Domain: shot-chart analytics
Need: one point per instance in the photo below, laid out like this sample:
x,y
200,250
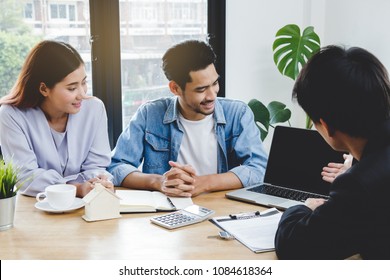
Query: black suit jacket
x,y
356,218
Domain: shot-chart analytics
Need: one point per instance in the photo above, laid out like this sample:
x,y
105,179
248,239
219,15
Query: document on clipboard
x,y
255,230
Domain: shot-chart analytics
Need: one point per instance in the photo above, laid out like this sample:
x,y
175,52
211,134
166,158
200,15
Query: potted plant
x,y
291,51
268,116
8,191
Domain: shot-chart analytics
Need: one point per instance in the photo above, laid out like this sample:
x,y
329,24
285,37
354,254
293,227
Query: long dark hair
x,y
48,62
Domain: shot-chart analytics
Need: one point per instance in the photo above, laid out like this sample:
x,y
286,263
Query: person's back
x,y
373,176
347,95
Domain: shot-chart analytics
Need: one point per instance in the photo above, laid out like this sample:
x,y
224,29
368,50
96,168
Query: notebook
x,y
293,171
133,201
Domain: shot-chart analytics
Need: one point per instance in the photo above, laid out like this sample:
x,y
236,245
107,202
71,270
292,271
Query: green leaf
x,y
292,50
8,179
279,112
309,122
13,50
261,115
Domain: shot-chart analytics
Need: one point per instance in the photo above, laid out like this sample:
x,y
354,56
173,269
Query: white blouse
x,y
45,158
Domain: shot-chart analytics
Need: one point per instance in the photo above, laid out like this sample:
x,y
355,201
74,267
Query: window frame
x,y
31,4
106,52
67,17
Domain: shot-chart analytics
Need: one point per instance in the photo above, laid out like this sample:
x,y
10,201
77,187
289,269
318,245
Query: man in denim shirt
x,y
192,142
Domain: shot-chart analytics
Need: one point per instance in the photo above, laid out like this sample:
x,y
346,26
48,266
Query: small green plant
x,y
291,51
268,116
8,179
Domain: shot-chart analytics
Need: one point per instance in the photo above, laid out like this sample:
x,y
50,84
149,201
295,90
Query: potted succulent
x,y
8,191
291,51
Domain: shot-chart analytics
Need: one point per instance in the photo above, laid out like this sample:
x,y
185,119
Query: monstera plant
x,y
291,50
266,117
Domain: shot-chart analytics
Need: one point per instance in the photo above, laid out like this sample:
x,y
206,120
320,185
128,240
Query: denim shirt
x,y
154,135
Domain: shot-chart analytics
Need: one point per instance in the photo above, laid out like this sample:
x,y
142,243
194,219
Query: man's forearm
x,y
217,182
139,180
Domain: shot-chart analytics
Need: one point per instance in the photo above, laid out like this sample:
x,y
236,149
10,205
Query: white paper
x,y
257,232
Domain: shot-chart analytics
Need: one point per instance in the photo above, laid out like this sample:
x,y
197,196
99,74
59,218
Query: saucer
x,y
44,206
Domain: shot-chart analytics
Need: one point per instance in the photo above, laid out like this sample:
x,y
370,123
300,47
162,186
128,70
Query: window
x,y
25,23
121,43
28,11
148,29
62,11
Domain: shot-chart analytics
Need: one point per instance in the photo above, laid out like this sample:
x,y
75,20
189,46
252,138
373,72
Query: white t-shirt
x,y
199,145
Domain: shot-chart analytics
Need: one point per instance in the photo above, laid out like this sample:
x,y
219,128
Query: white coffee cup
x,y
60,196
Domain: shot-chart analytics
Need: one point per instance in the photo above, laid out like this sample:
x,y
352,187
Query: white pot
x,y
7,212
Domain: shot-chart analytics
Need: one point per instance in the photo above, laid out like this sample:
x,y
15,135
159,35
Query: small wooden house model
x,y
101,204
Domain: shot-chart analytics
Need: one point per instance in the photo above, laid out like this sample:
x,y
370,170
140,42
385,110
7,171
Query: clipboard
x,y
256,230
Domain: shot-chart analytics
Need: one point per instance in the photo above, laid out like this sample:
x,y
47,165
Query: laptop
x,y
293,171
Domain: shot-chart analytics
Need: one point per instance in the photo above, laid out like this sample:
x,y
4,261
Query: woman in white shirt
x,y
50,127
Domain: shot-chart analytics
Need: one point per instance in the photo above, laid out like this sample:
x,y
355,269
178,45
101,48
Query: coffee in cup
x,y
59,197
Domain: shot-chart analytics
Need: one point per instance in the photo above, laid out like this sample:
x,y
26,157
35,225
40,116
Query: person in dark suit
x,y
346,92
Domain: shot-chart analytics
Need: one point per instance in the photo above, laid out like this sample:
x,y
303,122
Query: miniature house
x,y
101,204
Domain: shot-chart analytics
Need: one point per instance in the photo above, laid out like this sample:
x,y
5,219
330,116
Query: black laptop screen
x,y
296,159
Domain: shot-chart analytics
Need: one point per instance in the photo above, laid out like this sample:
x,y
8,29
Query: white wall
x,y
251,28
360,23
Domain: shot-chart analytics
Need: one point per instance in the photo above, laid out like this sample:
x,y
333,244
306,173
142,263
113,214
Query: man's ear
x,y
174,88
329,130
43,89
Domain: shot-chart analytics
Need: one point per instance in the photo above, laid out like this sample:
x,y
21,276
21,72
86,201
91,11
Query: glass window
x,y
53,11
148,29
72,12
28,11
62,11
24,23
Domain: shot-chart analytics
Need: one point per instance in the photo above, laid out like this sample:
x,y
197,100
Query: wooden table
x,y
66,236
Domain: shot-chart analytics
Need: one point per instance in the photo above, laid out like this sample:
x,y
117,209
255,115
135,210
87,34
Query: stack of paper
x,y
256,230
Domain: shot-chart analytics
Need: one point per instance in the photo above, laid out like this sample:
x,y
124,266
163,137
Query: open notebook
x,y
133,201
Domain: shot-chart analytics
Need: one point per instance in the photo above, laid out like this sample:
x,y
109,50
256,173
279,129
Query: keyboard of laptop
x,y
285,192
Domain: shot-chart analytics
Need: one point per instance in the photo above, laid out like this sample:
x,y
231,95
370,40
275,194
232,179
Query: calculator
x,y
187,216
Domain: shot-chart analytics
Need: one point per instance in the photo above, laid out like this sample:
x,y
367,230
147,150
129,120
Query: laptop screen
x,y
296,159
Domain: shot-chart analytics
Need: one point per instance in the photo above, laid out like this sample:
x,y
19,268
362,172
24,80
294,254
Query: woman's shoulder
x,y
93,103
9,113
5,108
92,110
9,110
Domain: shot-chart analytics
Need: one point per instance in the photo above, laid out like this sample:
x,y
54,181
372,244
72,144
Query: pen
x,y
171,203
249,215
244,215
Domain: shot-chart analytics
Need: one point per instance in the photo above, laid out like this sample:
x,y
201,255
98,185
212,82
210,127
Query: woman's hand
x,y
102,179
84,188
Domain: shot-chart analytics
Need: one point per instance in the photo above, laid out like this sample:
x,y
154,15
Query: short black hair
x,y
187,56
348,88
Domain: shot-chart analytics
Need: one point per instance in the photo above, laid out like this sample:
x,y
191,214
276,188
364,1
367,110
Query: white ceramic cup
x,y
59,197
